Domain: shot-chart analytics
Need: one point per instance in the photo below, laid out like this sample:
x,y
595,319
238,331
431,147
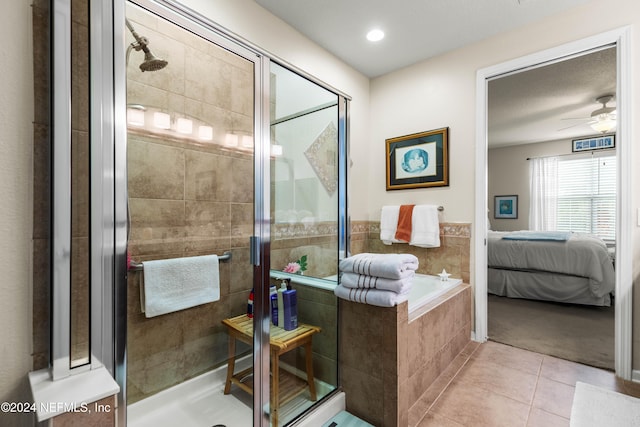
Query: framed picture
x,y
593,143
418,160
506,207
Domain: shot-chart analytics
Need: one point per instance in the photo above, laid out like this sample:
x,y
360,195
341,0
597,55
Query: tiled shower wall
x,y
41,186
187,198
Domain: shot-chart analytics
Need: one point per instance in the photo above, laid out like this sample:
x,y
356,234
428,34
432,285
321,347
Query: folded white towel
x,y
175,284
370,296
425,231
400,286
389,266
389,224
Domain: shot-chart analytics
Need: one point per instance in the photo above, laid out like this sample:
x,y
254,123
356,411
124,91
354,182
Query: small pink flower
x,y
292,267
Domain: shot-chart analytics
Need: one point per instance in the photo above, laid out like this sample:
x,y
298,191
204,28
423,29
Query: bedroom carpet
x,y
582,334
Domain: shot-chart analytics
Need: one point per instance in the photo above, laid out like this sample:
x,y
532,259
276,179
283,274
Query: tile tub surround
x,y
387,363
452,255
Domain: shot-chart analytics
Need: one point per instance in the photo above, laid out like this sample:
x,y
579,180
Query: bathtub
x,y
427,288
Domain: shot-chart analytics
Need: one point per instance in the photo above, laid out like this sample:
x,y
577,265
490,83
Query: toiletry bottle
x,y
290,299
273,297
250,305
280,301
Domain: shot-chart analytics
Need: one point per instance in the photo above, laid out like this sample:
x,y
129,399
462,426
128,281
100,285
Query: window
x,y
587,196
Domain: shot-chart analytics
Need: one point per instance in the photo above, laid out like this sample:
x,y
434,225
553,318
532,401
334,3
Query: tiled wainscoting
x,y
452,255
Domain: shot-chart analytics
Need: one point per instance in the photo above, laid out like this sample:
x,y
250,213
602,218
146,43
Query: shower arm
x,y
141,41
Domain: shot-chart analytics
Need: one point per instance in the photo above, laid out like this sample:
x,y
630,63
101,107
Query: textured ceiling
x,y
415,29
541,104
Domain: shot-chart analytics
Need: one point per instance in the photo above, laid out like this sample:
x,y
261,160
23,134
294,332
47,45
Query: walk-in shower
x,y
209,171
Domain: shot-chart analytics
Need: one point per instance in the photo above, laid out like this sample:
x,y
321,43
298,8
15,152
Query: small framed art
x,y
506,207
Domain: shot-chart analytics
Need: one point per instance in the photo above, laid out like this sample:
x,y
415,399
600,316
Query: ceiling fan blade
x,y
577,124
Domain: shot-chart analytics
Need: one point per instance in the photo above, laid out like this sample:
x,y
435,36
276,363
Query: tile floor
x,y
496,385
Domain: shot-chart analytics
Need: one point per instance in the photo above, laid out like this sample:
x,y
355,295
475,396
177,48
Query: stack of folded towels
x,y
377,279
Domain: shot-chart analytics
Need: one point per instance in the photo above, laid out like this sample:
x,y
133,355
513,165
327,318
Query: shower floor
x,y
201,402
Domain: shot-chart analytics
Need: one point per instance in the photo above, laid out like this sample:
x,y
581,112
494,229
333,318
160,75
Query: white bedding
x,y
578,270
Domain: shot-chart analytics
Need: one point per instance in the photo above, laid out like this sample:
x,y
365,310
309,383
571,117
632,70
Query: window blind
x,y
587,196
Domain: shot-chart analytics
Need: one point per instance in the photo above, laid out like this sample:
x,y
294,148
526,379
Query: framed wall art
x,y
418,160
593,143
506,207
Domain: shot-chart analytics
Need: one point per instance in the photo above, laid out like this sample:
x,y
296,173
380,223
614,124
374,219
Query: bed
x,y
562,267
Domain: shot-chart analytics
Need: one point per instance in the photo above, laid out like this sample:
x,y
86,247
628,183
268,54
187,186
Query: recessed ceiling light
x,y
375,35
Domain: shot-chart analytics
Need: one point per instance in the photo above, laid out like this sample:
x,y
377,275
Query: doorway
x,y
623,249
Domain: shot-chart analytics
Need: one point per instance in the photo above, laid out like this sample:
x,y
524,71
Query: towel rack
x,y
138,266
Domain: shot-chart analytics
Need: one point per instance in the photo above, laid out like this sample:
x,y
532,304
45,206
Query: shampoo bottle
x,y
250,305
290,299
273,297
280,301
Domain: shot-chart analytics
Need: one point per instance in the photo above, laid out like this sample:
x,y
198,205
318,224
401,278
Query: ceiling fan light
x,y
604,123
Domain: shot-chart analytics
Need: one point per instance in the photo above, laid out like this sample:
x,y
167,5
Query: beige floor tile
x,y
540,418
512,357
554,397
470,405
509,382
568,373
435,420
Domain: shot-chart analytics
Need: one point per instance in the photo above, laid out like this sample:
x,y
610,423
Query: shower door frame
x,y
261,239
180,16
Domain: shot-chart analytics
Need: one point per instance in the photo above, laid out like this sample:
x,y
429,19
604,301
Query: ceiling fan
x,y
602,119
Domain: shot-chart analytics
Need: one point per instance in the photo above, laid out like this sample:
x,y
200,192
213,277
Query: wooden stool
x,y
281,341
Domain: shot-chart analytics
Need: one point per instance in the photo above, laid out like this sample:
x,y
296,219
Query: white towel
x,y
400,286
389,224
389,266
425,231
370,296
175,284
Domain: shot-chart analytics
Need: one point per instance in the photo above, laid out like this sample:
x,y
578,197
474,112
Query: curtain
x,y
543,174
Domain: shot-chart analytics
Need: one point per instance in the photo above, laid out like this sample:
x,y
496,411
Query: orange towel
x,y
403,232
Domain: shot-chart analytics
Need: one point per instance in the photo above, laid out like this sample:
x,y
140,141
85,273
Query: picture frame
x,y
599,142
418,160
505,207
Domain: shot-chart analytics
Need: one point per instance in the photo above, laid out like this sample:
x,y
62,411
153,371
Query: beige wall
x,y
508,174
16,116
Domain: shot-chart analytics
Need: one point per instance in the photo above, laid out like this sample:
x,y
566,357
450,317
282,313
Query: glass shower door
x,y
190,158
305,244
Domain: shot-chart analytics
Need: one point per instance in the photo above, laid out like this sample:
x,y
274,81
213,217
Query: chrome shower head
x,y
151,62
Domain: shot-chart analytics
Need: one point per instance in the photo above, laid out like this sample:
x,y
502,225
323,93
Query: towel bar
x,y
137,266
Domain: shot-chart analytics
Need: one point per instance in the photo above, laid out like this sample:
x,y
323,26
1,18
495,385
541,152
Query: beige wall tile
x,y
155,171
